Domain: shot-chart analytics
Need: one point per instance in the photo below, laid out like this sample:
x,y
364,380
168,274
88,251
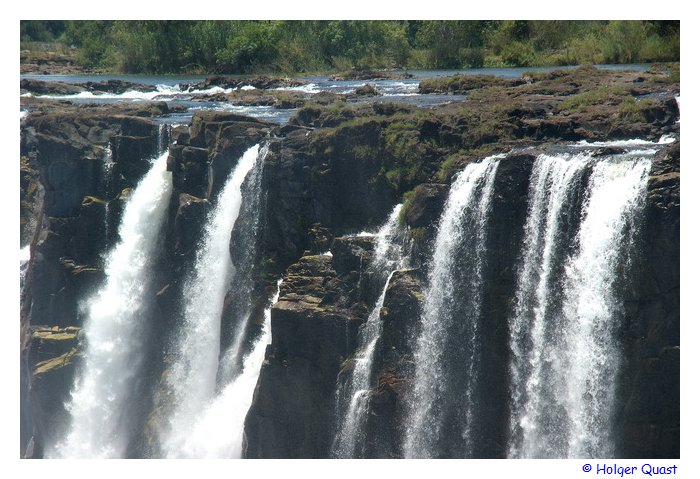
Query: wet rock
x,y
52,358
117,87
259,82
180,135
352,253
40,87
314,327
190,168
426,205
31,198
650,382
367,90
132,156
112,86
327,98
189,220
91,234
400,317
226,136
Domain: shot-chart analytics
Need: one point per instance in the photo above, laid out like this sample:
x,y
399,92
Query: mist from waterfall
x,y
99,406
219,430
192,378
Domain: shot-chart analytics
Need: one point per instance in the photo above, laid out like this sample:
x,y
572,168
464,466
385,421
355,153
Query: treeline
x,y
315,46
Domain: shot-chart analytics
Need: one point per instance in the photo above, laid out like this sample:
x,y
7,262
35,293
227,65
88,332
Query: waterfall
x,y
554,186
192,378
100,399
565,353
353,398
219,431
442,399
24,257
107,186
244,243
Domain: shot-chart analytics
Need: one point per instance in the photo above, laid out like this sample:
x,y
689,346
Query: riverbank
x,y
307,47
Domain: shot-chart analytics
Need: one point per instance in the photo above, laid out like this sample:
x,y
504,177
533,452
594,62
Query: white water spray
x,y
565,353
218,432
554,183
451,314
352,407
591,306
100,401
24,257
192,379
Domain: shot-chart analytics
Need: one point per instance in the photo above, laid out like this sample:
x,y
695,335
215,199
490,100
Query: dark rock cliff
x,y
66,153
650,389
78,168
532,113
316,321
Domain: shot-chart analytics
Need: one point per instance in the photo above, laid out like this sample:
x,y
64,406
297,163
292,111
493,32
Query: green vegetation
x,y
633,110
447,167
314,46
592,97
629,108
408,199
406,153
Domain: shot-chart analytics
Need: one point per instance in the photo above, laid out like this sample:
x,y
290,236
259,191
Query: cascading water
x,y
107,175
555,184
565,355
192,378
447,353
99,405
235,338
353,397
24,256
219,431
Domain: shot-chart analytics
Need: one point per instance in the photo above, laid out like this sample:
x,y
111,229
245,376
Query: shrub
x,y
633,110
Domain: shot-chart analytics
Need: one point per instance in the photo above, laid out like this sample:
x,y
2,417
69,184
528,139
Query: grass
x,y
633,110
408,199
405,152
447,167
595,96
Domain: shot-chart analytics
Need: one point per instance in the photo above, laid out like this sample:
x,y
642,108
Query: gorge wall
x,y
332,172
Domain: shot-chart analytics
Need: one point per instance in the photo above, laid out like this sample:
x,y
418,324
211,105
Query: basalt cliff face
x,y
334,171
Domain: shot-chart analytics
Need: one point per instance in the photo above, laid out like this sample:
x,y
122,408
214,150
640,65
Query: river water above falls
x,y
168,88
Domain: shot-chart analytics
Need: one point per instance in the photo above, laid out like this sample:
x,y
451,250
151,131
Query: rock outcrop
x,y
314,324
117,87
258,82
364,74
650,389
